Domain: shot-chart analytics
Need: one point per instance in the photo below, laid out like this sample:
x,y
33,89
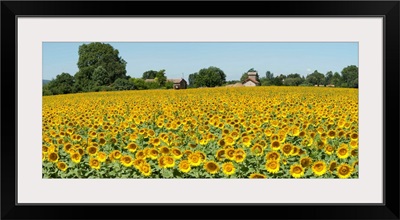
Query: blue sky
x,y
182,59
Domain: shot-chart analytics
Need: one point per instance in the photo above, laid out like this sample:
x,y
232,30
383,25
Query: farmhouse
x,y
178,83
251,79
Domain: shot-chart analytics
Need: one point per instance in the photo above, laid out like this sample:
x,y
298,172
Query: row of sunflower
x,y
270,132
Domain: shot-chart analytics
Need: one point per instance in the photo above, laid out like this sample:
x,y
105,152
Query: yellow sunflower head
x,y
287,149
296,171
228,168
76,157
272,166
184,166
52,157
211,167
273,155
257,176
94,163
344,171
62,166
342,152
319,168
126,160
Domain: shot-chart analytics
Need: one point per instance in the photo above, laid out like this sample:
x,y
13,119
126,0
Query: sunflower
x,y
155,142
257,176
164,150
67,146
140,154
332,166
229,140
354,152
222,143
354,136
344,171
126,160
92,150
94,163
273,155
194,159
305,162
211,167
331,134
116,154
169,161
76,157
153,153
272,166
184,166
52,157
230,153
295,151
319,168
137,163
239,158
296,171
246,141
101,156
354,144
257,150
62,166
176,153
132,147
220,155
275,145
145,169
287,149
329,149
354,164
343,152
228,168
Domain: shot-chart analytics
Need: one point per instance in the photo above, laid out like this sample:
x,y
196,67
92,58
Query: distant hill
x,y
45,81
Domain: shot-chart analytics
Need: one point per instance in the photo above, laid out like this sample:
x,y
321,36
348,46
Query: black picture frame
x,y
11,10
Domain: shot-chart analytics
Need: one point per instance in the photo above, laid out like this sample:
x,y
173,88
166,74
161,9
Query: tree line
x,y
100,68
213,76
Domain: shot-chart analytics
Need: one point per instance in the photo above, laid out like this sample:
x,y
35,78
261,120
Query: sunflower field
x,y
258,132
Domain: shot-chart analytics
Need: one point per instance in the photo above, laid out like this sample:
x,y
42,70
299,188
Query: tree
x,y
150,74
94,55
316,78
123,84
336,79
100,77
293,80
62,84
268,79
139,83
160,78
350,76
209,77
328,78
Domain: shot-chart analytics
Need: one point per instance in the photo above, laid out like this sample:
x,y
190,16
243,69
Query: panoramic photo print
x,y
159,110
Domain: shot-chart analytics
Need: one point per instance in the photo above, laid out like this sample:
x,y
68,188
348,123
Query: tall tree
x,y
316,78
350,76
96,54
328,78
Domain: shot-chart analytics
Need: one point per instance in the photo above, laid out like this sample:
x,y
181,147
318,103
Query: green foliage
x,y
150,74
98,54
350,76
123,84
62,84
316,78
139,83
207,77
